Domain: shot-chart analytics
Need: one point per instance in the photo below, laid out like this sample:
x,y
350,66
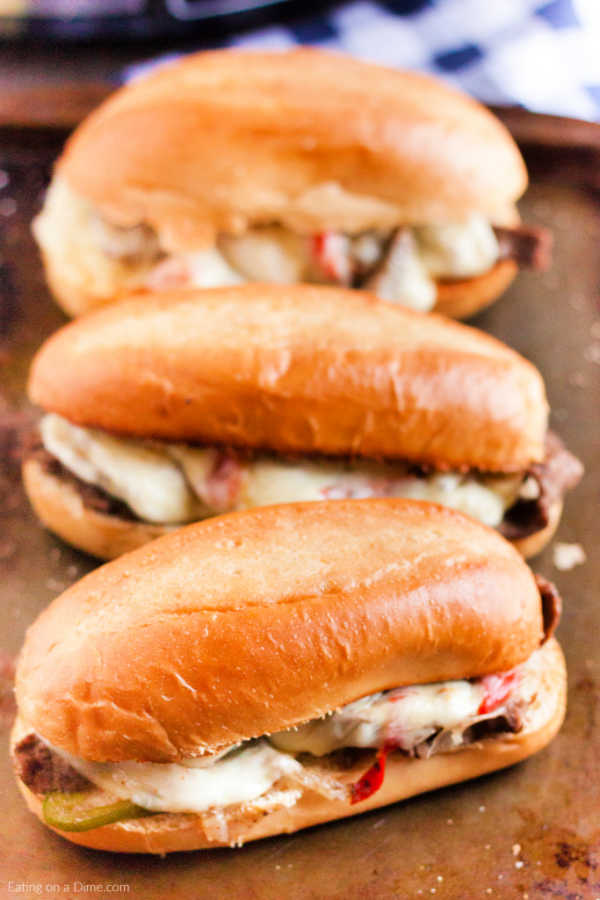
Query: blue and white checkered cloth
x,y
540,54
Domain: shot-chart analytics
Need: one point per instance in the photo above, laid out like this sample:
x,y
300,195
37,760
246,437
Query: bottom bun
x,y
461,299
404,777
60,508
72,285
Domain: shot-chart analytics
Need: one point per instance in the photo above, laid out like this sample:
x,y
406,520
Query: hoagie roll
x,y
231,166
172,408
273,669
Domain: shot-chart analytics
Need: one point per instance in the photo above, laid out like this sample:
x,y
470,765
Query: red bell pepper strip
x,y
497,688
372,779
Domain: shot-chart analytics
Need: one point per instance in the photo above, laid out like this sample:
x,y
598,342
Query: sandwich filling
x,y
176,483
400,265
340,755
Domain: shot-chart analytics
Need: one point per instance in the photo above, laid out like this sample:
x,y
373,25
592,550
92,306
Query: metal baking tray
x,y
528,832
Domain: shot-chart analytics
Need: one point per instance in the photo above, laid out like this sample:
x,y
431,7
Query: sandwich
x,y
273,669
167,409
234,166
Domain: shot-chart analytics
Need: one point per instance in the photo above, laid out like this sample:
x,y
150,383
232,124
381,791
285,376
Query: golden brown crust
x,y
417,152
181,145
404,778
461,299
297,369
69,286
328,601
59,506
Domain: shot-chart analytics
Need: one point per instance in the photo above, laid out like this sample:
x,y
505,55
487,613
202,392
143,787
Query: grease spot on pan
x,y
563,863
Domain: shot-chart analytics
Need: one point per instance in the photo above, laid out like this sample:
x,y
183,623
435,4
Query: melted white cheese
x,y
484,499
407,716
203,269
100,260
277,255
210,269
147,480
457,250
241,776
272,481
170,483
404,277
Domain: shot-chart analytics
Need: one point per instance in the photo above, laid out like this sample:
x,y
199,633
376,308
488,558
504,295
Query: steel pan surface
x,y
528,832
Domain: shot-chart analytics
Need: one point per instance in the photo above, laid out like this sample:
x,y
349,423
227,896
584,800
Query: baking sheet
x,y
532,831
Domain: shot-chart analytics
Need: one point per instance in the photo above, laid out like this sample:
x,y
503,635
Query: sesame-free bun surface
x,y
224,140
404,778
462,298
253,622
296,369
61,508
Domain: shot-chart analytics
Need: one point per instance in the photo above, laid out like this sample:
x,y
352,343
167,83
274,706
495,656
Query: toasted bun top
x,y
223,140
253,622
296,369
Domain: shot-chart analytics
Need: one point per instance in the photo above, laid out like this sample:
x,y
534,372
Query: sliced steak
x,y
93,497
551,605
42,770
559,472
529,246
510,721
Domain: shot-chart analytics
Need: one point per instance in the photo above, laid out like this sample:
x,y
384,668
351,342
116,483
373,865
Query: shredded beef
x,y
347,764
530,247
524,518
551,605
42,770
510,721
93,497
559,472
